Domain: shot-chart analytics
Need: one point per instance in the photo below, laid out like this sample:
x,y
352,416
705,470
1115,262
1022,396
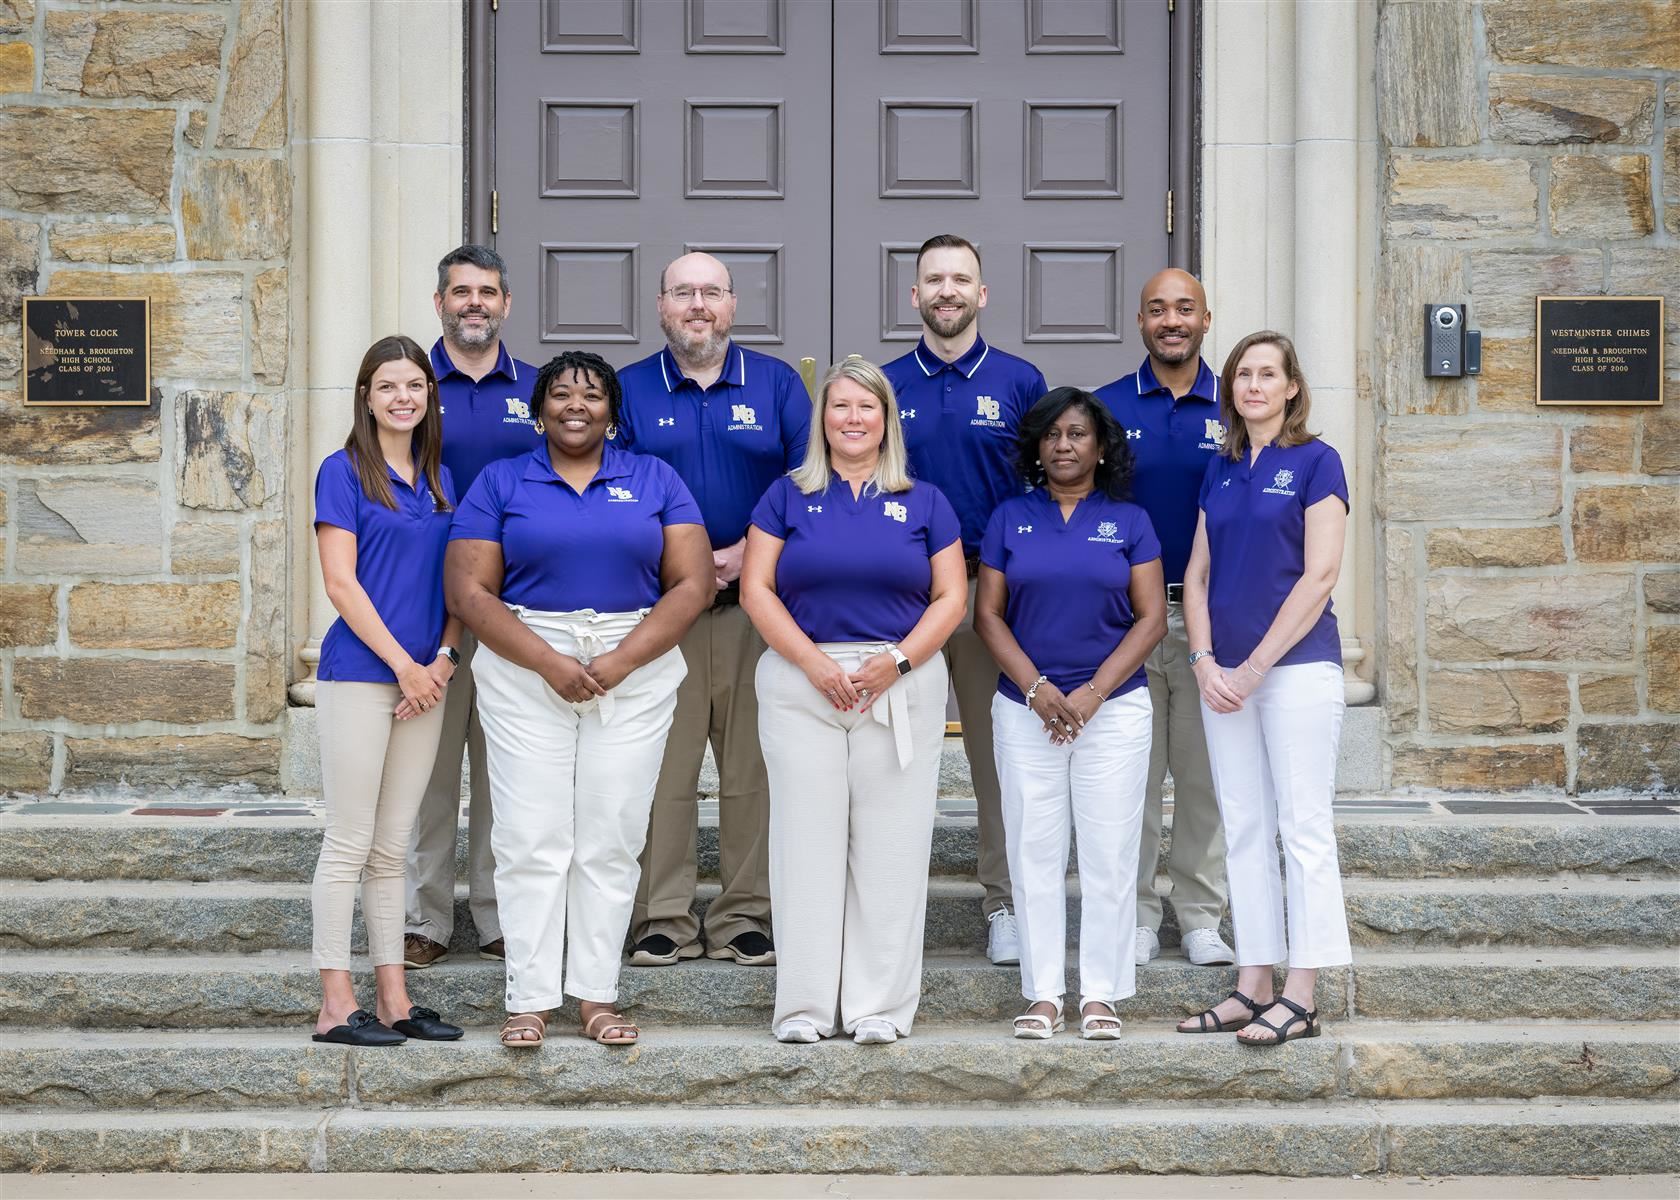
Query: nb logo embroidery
x,y
743,414
667,420
1212,430
618,493
518,408
1134,434
895,510
813,508
1023,529
987,407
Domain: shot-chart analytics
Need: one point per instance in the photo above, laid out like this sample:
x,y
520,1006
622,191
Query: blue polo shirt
x,y
562,552
856,569
483,419
729,441
1172,441
399,563
960,421
1256,531
1068,603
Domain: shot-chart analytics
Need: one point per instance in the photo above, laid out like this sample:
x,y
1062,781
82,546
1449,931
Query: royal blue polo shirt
x,y
728,441
399,563
1172,440
1068,604
1256,531
855,569
960,421
483,419
561,551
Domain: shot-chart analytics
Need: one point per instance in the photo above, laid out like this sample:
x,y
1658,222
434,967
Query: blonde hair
x,y
892,469
1295,409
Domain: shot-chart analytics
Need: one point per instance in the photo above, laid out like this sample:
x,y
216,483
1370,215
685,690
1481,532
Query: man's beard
x,y
952,327
456,330
703,348
1186,351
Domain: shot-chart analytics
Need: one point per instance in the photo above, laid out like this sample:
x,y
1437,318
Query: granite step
x,y
231,916
941,1065
1572,1137
114,991
283,849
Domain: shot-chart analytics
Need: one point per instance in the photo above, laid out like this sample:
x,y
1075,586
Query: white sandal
x,y
1038,1026
1100,1033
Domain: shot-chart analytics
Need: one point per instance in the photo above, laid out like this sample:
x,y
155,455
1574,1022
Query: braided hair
x,y
578,362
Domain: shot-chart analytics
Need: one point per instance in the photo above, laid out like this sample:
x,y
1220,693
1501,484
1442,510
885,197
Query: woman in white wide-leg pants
x,y
1070,603
579,567
1267,657
854,578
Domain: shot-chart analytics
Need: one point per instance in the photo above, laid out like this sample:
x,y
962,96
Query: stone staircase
x,y
1511,1010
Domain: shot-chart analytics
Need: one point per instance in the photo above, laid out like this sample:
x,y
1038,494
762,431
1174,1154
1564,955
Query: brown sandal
x,y
536,1023
626,1032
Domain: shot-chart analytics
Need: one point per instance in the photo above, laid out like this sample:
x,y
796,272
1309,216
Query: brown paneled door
x,y
812,145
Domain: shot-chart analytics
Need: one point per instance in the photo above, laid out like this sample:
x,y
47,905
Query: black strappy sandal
x,y
1208,1021
1307,1020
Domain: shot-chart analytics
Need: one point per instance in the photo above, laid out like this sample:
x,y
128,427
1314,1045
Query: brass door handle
x,y
808,372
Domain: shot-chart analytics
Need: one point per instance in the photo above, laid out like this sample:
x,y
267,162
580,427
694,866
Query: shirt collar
x,y
615,464
932,364
1205,388
734,368
443,366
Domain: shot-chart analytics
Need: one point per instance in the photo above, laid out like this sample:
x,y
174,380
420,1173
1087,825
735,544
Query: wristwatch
x,y
1196,656
899,658
452,654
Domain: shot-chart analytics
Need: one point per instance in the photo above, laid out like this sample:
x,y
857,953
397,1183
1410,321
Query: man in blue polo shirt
x,y
1170,409
961,402
731,421
484,398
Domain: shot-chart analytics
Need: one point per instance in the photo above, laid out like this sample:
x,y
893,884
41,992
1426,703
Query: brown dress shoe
x,y
420,952
495,951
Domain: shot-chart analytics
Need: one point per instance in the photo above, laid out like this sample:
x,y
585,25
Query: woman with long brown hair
x,y
383,506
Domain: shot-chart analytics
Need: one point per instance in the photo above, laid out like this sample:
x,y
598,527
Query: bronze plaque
x,y
1598,350
87,351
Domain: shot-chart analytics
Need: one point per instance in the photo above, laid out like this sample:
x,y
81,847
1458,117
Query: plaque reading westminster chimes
x,y
1598,350
87,351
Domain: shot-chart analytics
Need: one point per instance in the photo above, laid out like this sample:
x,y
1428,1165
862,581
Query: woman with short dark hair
x,y
579,566
1070,603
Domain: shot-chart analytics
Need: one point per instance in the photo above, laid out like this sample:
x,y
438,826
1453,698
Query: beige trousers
x,y
715,703
431,859
373,771
851,831
1196,865
974,679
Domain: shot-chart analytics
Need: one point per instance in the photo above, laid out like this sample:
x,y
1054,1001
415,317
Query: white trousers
x,y
1094,785
571,786
1274,771
852,800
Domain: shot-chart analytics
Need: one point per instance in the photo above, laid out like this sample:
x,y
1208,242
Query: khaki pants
x,y
431,860
851,830
716,703
373,771
1196,865
974,680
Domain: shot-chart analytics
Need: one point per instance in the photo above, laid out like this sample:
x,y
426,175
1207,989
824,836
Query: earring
x,y
538,426
612,432
1101,461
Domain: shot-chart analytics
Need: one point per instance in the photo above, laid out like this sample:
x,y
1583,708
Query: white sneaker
x,y
1003,939
798,1030
1148,945
875,1031
1206,948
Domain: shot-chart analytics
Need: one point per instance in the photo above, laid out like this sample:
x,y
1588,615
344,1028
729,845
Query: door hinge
x,y
1170,5
1169,210
496,213
495,5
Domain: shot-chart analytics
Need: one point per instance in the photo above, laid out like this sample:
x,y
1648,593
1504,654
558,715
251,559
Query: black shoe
x,y
750,949
362,1028
657,950
426,1025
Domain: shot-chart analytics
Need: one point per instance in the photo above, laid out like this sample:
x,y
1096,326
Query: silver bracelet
x,y
1250,666
1033,690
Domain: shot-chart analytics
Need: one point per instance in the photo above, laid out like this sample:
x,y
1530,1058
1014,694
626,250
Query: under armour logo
x,y
518,408
1023,529
909,414
895,510
1224,483
667,420
743,414
813,508
988,408
1133,433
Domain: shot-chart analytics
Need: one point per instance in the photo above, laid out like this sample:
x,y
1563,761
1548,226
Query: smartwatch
x,y
900,659
452,654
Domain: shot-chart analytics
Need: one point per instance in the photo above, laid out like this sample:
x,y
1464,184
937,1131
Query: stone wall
x,y
1530,603
143,601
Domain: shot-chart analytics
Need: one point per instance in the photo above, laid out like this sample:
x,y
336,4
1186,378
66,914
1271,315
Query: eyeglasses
x,y
711,295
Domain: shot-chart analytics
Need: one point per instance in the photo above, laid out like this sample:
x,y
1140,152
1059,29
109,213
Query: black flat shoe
x,y
361,1029
426,1025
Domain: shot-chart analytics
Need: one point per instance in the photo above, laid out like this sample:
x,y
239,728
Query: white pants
x,y
571,785
1095,785
852,800
1274,771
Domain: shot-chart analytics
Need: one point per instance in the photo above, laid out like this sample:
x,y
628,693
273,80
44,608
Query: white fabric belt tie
x,y
892,707
592,634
